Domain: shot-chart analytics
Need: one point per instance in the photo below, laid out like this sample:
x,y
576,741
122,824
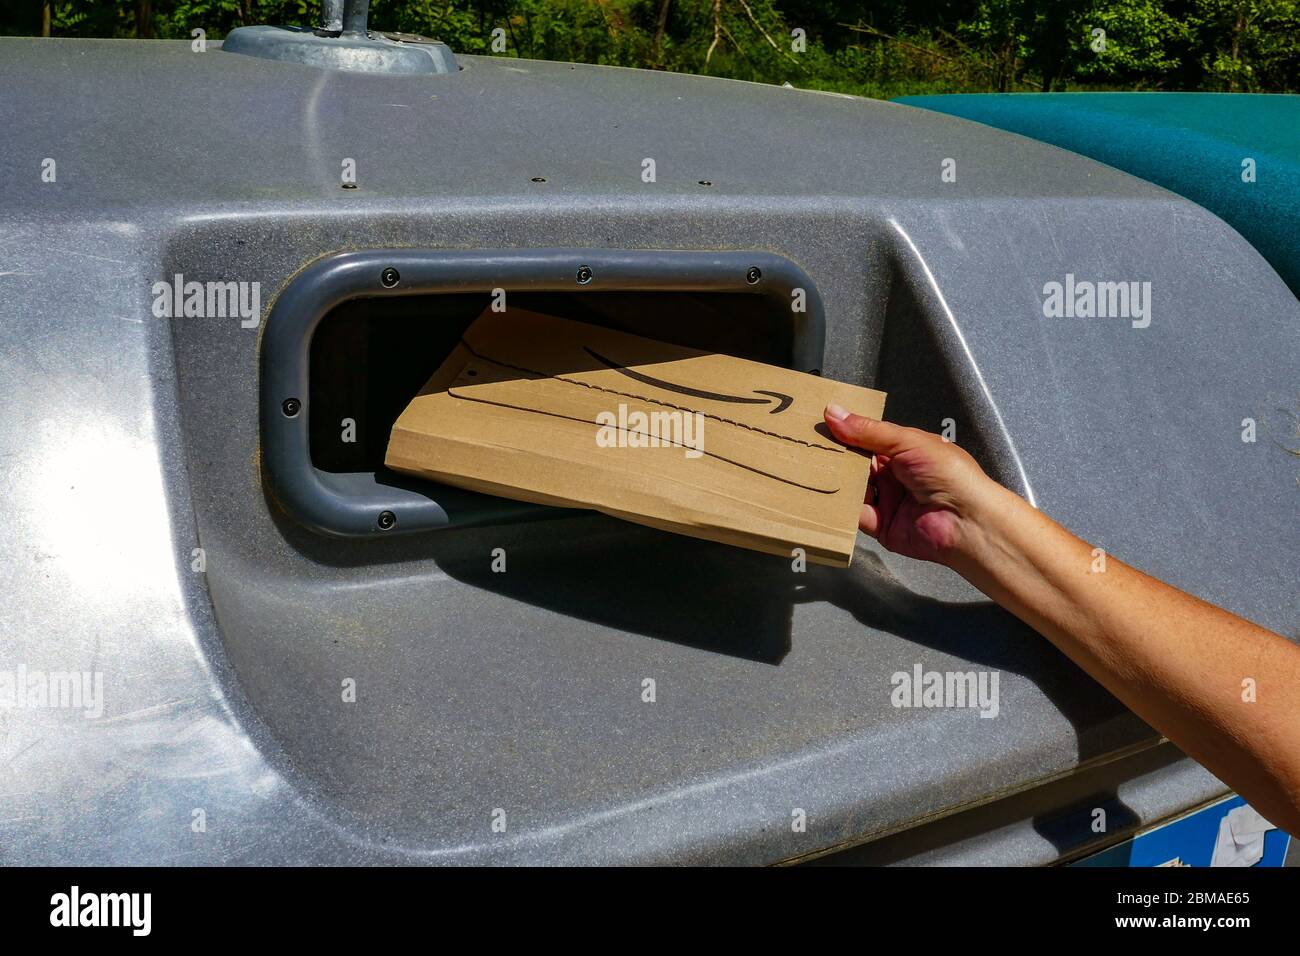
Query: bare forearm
x,y
1223,689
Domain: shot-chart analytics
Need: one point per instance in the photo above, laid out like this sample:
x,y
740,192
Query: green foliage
x,y
882,48
1248,45
1142,44
1002,28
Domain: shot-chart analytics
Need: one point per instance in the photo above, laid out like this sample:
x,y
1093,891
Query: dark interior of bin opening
x,y
370,357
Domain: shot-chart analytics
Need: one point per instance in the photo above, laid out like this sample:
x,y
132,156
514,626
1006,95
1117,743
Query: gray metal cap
x,y
353,52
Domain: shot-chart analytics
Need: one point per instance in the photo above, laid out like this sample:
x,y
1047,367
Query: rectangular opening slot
x,y
370,356
353,337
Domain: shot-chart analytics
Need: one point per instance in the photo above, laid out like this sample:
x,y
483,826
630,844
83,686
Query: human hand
x,y
925,497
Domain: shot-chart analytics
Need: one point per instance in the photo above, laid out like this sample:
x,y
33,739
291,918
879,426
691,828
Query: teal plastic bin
x,y
1194,144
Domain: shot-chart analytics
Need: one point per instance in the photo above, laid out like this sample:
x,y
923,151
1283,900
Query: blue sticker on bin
x,y
1228,832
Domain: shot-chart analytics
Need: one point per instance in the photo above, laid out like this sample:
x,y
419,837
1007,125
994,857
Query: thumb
x,y
868,434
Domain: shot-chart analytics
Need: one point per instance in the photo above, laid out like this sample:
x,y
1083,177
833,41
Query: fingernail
x,y
834,411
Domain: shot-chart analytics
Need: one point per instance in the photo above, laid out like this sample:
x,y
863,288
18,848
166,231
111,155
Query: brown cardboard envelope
x,y
564,413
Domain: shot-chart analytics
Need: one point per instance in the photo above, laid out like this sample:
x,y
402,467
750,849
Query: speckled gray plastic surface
x,y
128,441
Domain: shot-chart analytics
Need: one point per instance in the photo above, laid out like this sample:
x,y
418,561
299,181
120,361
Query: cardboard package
x,y
565,413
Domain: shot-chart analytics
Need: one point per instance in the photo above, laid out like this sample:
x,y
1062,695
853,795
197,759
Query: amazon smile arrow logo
x,y
778,400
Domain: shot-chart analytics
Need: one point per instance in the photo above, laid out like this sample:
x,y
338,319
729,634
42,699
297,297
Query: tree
x,y
1249,45
1140,43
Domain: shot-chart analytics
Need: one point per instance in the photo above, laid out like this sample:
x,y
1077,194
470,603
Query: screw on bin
x,y
584,275
386,520
291,407
753,275
389,277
